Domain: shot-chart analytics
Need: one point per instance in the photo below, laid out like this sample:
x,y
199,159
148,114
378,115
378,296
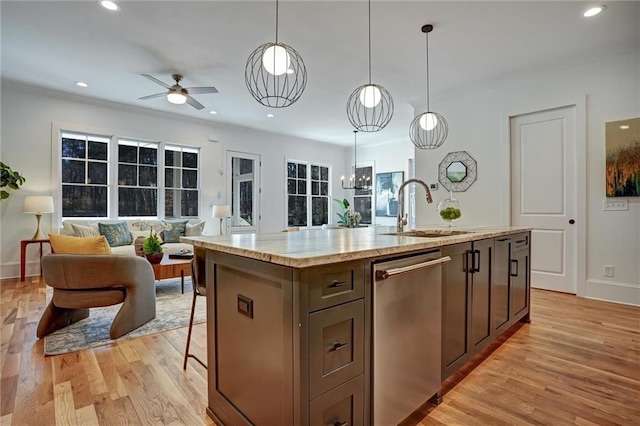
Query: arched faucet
x,y
402,217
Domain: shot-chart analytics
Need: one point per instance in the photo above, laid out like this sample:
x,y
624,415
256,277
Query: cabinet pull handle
x,y
511,272
339,423
384,274
337,346
468,264
521,241
502,239
336,283
476,263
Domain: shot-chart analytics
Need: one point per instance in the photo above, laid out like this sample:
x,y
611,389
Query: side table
x,y
23,254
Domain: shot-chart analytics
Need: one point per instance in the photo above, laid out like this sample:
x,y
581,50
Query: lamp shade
x,y
221,211
38,204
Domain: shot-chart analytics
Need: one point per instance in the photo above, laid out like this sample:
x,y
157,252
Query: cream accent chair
x,y
82,281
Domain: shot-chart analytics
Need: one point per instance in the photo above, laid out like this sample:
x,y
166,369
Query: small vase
x,y
450,210
154,258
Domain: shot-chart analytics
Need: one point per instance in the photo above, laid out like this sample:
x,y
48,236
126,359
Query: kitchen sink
x,y
430,233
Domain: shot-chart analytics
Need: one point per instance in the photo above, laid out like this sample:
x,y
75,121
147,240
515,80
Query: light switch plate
x,y
615,204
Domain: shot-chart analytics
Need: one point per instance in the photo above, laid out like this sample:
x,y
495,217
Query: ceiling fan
x,y
178,94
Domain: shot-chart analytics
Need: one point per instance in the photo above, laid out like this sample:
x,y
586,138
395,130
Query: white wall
x,y
478,124
28,115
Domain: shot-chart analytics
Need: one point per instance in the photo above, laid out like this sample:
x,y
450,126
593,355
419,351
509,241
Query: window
x,y
106,176
181,182
84,175
308,194
137,178
362,198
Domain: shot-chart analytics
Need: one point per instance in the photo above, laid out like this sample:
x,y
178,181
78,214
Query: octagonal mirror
x,y
456,171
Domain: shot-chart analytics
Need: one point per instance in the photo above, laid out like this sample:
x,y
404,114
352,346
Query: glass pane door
x,y
243,191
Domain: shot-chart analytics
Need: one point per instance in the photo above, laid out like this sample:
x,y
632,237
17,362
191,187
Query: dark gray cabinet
x,y
466,308
500,300
519,275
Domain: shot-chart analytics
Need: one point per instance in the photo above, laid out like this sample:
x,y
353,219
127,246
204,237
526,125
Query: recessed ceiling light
x,y
624,127
81,84
593,11
110,5
213,112
270,115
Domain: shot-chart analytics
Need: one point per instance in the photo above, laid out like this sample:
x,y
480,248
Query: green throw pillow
x,y
173,230
117,234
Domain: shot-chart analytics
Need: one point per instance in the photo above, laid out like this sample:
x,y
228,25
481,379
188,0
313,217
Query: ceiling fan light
x,y
593,11
370,96
176,98
276,60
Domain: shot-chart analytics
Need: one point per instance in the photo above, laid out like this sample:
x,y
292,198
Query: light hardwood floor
x,y
578,362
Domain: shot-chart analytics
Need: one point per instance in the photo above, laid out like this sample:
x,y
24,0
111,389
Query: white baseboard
x,y
627,294
12,269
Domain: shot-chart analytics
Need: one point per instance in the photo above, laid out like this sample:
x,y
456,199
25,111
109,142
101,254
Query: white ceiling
x,y
52,44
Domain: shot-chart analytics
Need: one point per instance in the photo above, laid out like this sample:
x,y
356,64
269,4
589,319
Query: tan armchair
x,y
81,282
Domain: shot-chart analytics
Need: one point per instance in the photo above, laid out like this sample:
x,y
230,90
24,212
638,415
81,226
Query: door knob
x,y
571,221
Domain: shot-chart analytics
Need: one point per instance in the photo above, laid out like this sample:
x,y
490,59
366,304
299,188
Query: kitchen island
x,y
300,325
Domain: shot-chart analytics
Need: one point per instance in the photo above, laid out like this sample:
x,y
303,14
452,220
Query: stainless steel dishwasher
x,y
407,300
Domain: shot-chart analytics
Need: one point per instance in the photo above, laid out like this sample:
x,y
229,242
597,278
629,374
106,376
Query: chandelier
x,y
361,183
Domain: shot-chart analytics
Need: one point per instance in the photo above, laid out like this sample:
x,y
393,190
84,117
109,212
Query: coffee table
x,y
172,268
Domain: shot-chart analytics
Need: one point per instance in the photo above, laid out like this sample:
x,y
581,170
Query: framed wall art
x,y
387,185
623,158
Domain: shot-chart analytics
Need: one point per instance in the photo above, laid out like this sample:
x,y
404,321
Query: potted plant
x,y
10,179
152,248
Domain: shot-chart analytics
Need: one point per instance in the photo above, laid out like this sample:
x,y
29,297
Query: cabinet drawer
x,y
343,405
335,346
520,241
334,284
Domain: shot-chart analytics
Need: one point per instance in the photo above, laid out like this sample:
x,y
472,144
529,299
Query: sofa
x,y
137,228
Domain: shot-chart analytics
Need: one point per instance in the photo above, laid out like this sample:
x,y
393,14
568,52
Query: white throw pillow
x,y
195,229
85,231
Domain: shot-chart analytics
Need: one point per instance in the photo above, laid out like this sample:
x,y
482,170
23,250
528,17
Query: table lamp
x,y
38,204
221,211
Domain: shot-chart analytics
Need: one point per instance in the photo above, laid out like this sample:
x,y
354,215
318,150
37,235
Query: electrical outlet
x,y
433,186
608,271
614,204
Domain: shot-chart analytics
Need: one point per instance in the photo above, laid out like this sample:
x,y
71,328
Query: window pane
x,y
315,188
324,173
315,172
319,211
73,148
137,202
171,178
362,205
291,186
148,176
190,159
171,158
246,201
97,173
73,171
169,195
291,170
364,179
189,178
127,175
302,187
127,154
148,156
297,211
189,203
302,171
84,201
98,150
324,188
246,166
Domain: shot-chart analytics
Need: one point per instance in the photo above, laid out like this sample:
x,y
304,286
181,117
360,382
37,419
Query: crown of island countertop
x,y
314,247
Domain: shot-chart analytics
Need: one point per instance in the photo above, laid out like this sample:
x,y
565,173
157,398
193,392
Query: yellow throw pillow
x,y
65,244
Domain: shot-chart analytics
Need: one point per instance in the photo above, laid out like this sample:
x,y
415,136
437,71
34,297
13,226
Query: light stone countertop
x,y
314,247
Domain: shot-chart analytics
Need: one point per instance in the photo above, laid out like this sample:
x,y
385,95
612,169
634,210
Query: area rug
x,y
172,311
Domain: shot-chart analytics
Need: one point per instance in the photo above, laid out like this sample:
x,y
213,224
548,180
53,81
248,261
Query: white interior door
x,y
543,193
243,192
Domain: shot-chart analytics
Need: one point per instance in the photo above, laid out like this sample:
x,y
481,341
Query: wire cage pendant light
x,y
429,129
275,73
361,183
370,106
